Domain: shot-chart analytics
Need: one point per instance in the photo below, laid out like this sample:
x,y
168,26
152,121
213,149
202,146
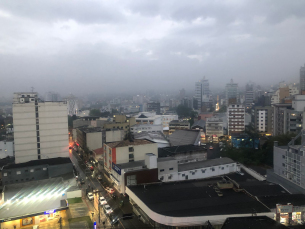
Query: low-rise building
x,y
37,170
184,153
127,151
170,170
178,125
89,137
214,128
157,137
138,128
185,137
135,173
261,119
120,122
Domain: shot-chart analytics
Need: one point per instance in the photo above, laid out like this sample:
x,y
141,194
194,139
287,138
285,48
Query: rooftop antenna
x,y
32,88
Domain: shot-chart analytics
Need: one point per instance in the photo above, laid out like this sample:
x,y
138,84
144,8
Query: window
x,y
5,174
161,170
283,156
171,168
32,170
283,164
131,149
18,172
183,175
44,169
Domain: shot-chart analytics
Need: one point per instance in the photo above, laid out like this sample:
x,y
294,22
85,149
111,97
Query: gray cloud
x,y
120,46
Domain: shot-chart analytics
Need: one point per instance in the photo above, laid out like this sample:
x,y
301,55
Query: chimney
x,y
275,143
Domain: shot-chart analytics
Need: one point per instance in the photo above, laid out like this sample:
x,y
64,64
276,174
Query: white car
x,y
90,196
103,200
107,209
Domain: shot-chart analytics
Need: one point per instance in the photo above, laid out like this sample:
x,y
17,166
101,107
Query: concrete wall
x,y
94,140
73,194
114,135
122,153
279,156
57,170
6,149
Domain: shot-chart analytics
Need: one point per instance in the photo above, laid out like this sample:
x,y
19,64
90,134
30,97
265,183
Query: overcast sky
x,y
112,46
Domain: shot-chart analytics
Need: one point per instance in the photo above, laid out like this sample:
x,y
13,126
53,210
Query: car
x,y
82,181
211,147
76,177
99,177
115,220
91,168
109,190
107,209
90,196
240,173
102,200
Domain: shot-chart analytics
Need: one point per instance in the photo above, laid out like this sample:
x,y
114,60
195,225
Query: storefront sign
x,y
284,208
50,211
27,221
116,168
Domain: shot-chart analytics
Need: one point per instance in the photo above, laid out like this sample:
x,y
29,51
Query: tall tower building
x,y
302,79
40,128
249,96
202,92
232,93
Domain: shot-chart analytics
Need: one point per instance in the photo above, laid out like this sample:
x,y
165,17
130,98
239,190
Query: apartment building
x,y
236,118
262,119
40,128
214,128
178,125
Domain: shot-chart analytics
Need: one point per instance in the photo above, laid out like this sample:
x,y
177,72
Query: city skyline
x,y
154,44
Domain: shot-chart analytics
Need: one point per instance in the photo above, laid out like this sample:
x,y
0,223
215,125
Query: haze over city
x,y
133,46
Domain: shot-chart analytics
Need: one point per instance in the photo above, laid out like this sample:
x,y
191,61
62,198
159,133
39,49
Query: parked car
x,y
109,190
211,147
107,209
102,200
99,177
115,220
91,168
90,196
240,173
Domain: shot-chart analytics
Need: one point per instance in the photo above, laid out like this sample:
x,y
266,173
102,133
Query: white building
x,y
214,127
293,90
152,118
6,149
127,151
40,128
73,105
170,170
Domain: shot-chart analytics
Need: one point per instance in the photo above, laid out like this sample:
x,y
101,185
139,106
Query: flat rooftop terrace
x,y
195,198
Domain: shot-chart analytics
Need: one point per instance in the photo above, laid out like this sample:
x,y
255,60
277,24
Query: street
x,y
114,203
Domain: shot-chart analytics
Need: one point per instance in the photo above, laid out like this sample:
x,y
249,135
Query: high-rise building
x,y
236,118
302,78
232,93
249,96
154,106
40,128
73,105
52,97
261,119
202,92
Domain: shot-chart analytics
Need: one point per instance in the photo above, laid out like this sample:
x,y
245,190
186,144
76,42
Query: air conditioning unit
x,y
21,100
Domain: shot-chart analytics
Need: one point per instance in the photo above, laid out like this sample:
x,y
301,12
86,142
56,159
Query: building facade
x,y
178,125
262,119
214,128
302,79
6,149
236,118
154,107
138,128
40,128
249,96
202,92
231,91
127,151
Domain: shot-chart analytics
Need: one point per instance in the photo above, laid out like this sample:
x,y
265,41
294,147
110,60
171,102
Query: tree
x,y
222,109
95,112
183,111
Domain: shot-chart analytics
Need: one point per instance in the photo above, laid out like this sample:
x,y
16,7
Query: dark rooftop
x,y
131,164
204,164
195,198
49,161
172,150
251,222
90,129
129,143
294,199
184,137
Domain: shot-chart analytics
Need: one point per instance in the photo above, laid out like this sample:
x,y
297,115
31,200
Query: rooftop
x,y
99,151
172,150
178,122
129,143
252,222
195,198
32,198
90,129
184,137
49,161
152,136
204,164
200,123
